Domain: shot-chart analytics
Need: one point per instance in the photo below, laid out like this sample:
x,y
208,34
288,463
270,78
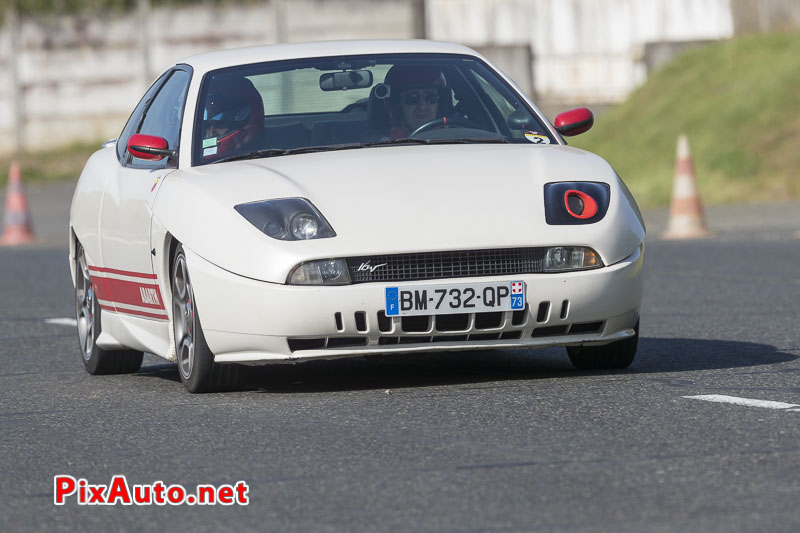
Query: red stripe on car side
x,y
128,292
133,312
123,272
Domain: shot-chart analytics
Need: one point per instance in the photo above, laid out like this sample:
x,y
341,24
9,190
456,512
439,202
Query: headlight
x,y
323,272
304,226
287,219
566,258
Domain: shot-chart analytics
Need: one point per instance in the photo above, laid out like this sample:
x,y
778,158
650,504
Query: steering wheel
x,y
444,122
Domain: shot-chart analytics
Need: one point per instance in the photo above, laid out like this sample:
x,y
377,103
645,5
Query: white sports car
x,y
314,201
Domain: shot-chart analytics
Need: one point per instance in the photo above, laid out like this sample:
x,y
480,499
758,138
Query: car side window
x,y
132,125
163,117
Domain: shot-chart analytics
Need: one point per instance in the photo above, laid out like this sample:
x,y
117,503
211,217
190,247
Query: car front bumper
x,y
253,322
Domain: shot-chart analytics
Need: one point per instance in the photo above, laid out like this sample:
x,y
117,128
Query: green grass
x,y
51,165
738,102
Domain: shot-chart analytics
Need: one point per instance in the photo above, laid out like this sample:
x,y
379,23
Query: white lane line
x,y
62,321
767,404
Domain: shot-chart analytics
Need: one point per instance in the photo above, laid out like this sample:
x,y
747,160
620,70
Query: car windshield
x,y
285,107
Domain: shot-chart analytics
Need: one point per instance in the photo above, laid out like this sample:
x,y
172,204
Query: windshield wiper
x,y
272,152
268,152
449,140
472,140
404,140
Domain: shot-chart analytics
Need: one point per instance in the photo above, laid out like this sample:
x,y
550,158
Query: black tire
x,y
614,356
196,366
96,360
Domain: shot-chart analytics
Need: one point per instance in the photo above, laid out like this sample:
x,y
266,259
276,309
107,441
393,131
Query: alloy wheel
x,y
183,317
84,300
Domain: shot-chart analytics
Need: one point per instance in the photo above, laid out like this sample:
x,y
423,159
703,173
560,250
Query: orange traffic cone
x,y
17,227
686,219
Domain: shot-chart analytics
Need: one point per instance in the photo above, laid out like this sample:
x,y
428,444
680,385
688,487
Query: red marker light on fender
x,y
579,204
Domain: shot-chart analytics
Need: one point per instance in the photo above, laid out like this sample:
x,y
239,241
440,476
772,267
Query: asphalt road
x,y
486,441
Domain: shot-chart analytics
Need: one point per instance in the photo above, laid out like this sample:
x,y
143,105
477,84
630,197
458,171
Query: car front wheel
x,y
95,359
196,366
616,355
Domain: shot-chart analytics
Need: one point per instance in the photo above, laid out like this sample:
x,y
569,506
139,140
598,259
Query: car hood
x,y
394,199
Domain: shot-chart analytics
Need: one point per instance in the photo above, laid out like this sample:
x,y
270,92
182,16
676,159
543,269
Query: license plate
x,y
455,298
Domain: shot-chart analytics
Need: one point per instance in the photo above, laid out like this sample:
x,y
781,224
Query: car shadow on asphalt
x,y
387,372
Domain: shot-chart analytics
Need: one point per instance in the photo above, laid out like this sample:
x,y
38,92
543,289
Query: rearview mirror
x,y
349,79
519,119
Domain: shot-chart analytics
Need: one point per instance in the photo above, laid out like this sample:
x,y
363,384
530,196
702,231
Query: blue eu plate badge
x,y
392,301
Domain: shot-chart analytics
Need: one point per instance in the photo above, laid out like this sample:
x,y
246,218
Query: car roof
x,y
276,52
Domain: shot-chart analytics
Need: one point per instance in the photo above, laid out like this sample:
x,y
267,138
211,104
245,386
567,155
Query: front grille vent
x,y
441,265
424,336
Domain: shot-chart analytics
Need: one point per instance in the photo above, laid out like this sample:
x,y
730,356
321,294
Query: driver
x,y
418,95
234,118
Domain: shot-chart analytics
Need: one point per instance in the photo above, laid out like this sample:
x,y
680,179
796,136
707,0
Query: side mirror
x,y
149,147
574,122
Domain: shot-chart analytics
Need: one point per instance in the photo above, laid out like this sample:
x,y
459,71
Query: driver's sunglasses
x,y
413,98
